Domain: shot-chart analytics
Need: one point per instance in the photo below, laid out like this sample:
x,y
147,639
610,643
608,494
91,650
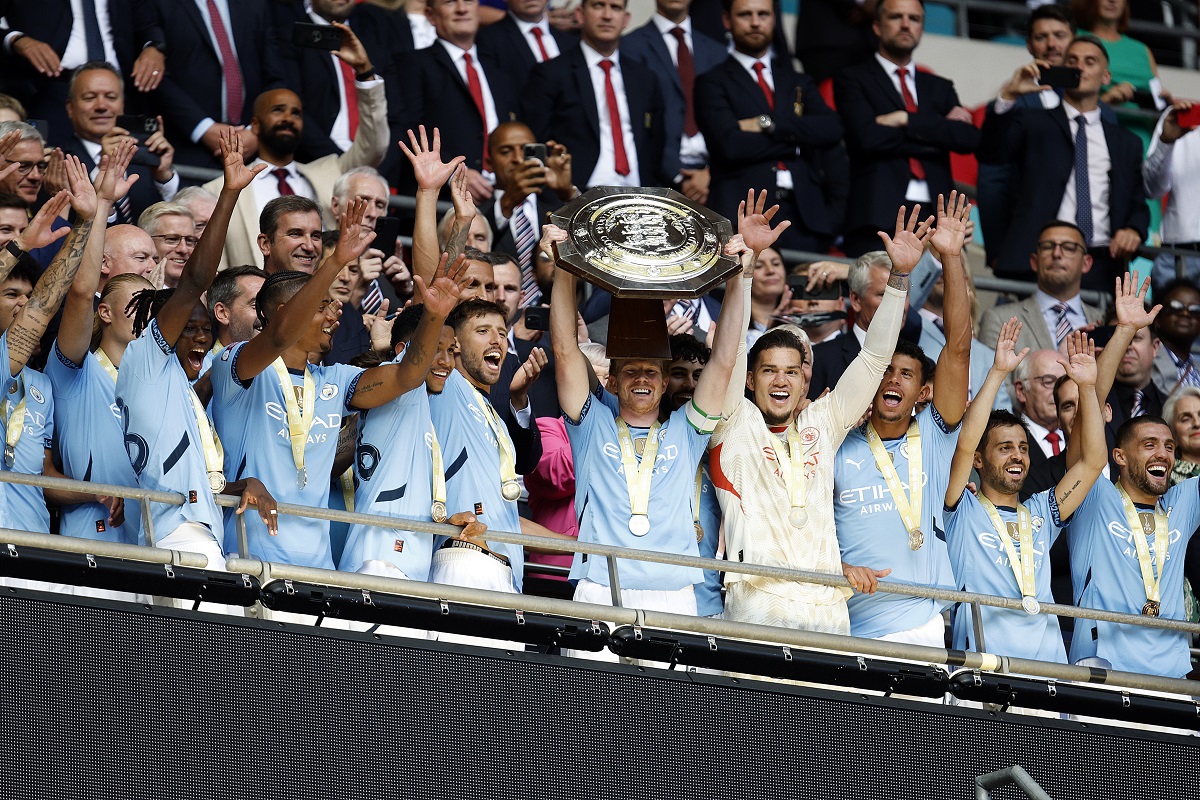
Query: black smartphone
x,y
319,37
387,231
41,126
1145,99
798,284
1102,335
139,127
535,151
1061,77
537,318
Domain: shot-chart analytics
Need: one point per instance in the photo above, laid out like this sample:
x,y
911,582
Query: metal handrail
x,y
1013,776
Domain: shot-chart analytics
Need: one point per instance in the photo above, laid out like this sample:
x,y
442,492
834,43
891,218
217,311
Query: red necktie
x,y
537,34
768,93
351,96
1052,438
476,90
910,105
620,159
281,175
687,77
231,69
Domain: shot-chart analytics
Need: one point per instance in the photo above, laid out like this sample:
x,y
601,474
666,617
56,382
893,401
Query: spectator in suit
x,y
526,192
525,37
200,202
462,90
95,98
901,126
1133,391
607,110
670,45
1034,379
832,35
219,65
1059,259
278,124
1056,160
764,124
370,287
289,235
1178,327
48,41
173,229
708,17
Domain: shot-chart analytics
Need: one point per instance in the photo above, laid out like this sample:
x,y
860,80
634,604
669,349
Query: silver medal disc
x,y
510,491
216,482
438,511
302,477
639,524
798,517
1031,605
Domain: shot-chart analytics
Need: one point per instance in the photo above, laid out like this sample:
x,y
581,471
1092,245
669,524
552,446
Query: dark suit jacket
x,y
1038,144
193,86
436,96
879,171
832,35
386,35
504,239
831,358
559,103
504,41
741,160
142,194
647,46
543,395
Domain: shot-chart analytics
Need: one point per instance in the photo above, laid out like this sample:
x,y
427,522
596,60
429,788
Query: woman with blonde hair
x,y
1182,413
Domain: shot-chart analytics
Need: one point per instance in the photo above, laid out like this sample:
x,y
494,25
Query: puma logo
x,y
857,464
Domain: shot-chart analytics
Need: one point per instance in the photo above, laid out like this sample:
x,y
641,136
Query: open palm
x,y
951,231
906,246
754,222
1007,358
1131,303
237,175
426,160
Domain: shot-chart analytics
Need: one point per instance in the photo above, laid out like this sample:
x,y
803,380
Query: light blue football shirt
x,y
982,566
1106,575
871,534
162,439
251,419
91,445
708,592
472,459
26,504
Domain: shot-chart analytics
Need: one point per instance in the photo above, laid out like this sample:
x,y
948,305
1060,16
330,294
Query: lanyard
x,y
637,476
909,507
107,363
297,429
1151,582
793,477
210,443
1022,565
509,488
696,504
438,509
14,423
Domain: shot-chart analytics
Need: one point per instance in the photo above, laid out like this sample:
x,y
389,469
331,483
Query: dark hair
x,y
772,339
90,67
1048,11
475,307
1058,384
686,347
1095,40
26,269
268,220
12,201
224,287
330,239
145,305
494,258
277,289
907,348
1129,428
1177,283
405,324
1087,14
1001,418
1061,223
113,285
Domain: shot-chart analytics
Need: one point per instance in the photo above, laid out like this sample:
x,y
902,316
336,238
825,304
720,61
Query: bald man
x,y
127,248
1033,382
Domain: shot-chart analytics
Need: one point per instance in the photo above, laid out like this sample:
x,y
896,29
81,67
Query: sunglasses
x,y
1179,307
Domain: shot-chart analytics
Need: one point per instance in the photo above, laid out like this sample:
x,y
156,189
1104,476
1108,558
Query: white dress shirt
x,y
783,177
917,191
548,42
1173,168
489,105
605,173
529,207
1039,435
266,184
692,150
1075,315
340,132
75,53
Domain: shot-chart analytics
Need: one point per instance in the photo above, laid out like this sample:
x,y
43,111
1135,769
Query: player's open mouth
x,y
1016,470
493,358
1157,470
196,359
781,396
440,374
892,399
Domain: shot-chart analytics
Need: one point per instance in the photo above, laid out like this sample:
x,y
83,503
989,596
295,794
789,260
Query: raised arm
x,y
861,379
431,175
201,266
571,368
1081,367
976,417
289,322
75,330
953,368
386,382
38,233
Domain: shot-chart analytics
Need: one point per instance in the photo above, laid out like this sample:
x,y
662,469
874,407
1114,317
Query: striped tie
x,y
1062,327
1137,409
373,299
531,293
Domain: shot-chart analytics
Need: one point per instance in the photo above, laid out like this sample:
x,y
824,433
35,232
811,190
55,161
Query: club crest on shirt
x,y
36,395
809,436
225,354
329,391
903,450
1037,523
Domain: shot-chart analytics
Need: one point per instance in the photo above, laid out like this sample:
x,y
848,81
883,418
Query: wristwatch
x,y
765,123
159,46
14,250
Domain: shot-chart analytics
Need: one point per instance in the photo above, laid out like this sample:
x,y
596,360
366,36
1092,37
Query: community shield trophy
x,y
644,246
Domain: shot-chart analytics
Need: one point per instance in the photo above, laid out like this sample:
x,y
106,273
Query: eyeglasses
x,y
1178,307
172,240
1044,381
1068,248
26,167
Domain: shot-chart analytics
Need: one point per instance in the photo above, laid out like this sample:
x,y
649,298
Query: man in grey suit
x,y
677,52
1059,259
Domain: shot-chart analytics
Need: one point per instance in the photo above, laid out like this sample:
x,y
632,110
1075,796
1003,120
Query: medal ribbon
x,y
214,454
297,429
14,421
909,508
1026,579
1147,563
793,474
699,490
107,363
637,476
439,469
508,456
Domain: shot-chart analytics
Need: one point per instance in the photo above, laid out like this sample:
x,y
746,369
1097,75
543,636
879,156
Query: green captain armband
x,y
703,423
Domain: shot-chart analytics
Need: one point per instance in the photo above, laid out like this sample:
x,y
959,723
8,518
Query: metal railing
x,y
1013,776
989,662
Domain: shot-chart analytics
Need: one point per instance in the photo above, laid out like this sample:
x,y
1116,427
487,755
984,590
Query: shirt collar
x,y
748,61
1039,433
93,149
526,27
456,53
1046,303
594,58
665,26
267,174
890,67
1092,117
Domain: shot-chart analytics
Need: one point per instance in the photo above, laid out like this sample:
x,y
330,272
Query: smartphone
x,y
798,284
387,231
42,127
537,318
1190,119
1061,77
535,151
139,127
1102,335
1145,99
319,37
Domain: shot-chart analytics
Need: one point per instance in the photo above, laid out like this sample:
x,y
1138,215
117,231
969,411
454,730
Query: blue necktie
x,y
1083,192
91,31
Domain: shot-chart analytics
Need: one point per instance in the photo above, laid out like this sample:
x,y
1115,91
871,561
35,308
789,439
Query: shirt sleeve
x,y
862,376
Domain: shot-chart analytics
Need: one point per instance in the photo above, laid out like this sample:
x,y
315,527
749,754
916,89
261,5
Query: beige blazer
x,y
368,149
1034,333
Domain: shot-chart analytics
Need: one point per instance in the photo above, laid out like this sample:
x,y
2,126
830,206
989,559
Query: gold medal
x,y
1151,565
916,539
1151,609
907,506
699,533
